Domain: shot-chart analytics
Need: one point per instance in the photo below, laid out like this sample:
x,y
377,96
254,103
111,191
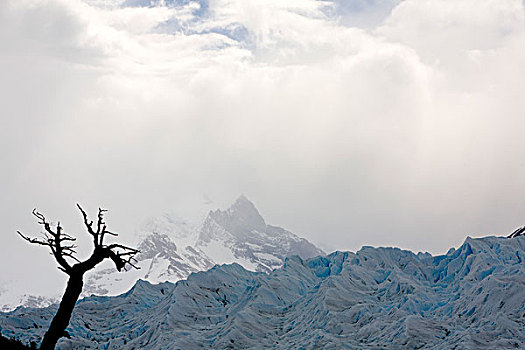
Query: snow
x,y
172,248
470,298
267,256
219,253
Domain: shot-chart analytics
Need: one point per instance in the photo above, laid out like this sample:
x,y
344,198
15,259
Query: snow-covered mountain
x,y
171,248
241,235
469,298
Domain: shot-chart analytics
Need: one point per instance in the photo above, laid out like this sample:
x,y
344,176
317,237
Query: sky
x,y
350,123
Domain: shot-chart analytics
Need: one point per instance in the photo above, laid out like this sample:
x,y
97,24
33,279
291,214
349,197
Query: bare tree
x,y
63,249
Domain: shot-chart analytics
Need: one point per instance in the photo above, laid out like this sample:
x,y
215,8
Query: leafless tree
x,y
63,249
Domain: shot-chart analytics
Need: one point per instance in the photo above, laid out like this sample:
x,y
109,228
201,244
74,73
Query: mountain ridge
x,y
171,248
470,298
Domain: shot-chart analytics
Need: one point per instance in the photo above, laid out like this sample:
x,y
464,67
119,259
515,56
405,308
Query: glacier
x,y
472,297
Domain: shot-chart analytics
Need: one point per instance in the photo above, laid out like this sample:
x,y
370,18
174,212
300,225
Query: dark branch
x,y
100,221
34,240
70,255
53,239
113,246
62,248
89,225
122,255
39,216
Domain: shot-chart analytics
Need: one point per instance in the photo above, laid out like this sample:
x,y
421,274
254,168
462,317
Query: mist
x,y
385,123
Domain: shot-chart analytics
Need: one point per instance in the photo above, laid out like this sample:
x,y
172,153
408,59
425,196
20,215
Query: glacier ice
x,y
472,297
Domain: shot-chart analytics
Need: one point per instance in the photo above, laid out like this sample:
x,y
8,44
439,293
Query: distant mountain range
x,y
376,298
171,249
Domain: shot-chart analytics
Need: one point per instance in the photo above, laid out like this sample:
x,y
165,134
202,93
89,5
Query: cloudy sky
x,y
349,122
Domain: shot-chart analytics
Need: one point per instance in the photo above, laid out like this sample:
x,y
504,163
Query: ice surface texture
x,y
470,298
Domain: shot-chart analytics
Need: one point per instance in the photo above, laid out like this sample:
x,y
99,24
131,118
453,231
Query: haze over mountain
x,y
352,122
469,298
171,248
392,123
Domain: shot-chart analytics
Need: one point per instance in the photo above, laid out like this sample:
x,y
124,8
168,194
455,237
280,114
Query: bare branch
x,y
132,265
121,255
47,226
39,216
113,246
70,255
127,253
110,233
33,240
100,221
53,240
68,238
101,225
89,225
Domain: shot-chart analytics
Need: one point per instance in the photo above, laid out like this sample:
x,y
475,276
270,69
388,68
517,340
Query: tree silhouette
x,y
63,249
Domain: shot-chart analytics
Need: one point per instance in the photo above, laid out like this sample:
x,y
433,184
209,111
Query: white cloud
x,y
347,124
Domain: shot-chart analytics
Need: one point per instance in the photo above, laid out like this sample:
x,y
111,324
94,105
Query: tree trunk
x,y
60,322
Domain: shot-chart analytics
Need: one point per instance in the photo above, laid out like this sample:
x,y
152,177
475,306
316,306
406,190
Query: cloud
x,y
382,122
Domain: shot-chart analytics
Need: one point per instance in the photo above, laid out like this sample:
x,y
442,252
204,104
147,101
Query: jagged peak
x,y
242,199
435,302
241,214
243,204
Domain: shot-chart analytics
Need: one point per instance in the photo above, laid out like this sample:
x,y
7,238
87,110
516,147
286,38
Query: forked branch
x,y
61,248
54,240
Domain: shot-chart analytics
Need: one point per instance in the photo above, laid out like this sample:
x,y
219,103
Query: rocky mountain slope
x,y
172,248
469,298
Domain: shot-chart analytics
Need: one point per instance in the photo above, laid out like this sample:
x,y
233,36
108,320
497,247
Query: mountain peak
x,y
243,206
240,234
242,199
242,215
244,212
